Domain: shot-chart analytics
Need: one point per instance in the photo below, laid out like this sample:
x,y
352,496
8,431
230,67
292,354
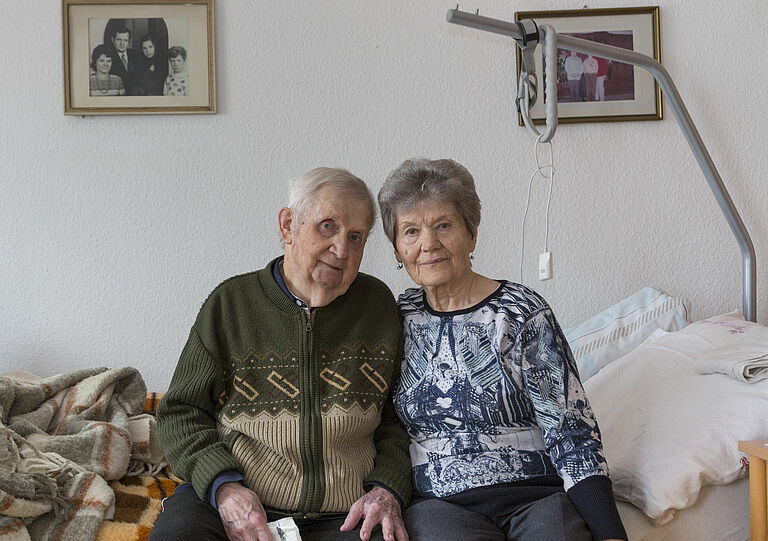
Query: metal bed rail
x,y
662,77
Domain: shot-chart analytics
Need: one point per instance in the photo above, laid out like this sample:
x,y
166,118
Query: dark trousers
x,y
186,517
551,517
574,89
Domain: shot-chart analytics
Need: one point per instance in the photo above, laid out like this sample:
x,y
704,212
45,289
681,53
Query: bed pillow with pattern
x,y
616,331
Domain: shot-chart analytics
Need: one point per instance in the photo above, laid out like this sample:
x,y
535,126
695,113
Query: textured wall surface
x,y
115,229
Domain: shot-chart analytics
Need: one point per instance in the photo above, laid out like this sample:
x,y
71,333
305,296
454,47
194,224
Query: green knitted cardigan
x,y
300,405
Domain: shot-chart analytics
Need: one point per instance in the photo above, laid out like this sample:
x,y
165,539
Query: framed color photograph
x,y
594,89
138,57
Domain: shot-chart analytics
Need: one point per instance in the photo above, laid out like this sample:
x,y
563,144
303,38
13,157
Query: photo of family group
x,y
582,77
591,88
138,57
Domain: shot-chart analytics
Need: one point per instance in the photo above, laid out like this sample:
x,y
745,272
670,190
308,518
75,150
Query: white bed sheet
x,y
667,429
720,514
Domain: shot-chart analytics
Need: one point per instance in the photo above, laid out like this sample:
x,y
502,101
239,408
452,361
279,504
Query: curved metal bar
x,y
748,261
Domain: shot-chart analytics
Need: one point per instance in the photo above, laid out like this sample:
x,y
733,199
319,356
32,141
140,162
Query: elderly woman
x,y
504,444
281,403
101,82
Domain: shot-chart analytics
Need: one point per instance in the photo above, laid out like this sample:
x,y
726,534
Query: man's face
x,y
324,251
120,41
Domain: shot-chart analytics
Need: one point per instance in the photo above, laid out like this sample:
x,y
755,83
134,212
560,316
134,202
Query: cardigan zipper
x,y
313,485
309,322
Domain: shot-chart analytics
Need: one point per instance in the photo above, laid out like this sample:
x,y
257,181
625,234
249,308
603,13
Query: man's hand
x,y
378,506
242,514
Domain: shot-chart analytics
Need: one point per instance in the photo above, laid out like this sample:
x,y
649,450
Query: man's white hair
x,y
304,190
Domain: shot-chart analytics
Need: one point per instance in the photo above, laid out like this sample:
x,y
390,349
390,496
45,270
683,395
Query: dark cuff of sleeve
x,y
224,477
593,499
371,484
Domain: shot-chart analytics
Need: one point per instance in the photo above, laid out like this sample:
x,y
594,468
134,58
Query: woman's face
x,y
433,243
103,64
177,64
148,48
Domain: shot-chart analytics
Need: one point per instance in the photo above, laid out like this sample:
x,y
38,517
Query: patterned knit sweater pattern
x,y
491,395
299,403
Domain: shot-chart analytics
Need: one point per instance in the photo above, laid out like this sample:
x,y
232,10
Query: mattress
x,y
720,514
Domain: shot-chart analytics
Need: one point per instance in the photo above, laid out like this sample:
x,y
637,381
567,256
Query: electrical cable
x,y
538,171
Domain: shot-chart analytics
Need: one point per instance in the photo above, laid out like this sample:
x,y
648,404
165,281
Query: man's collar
x,y
281,282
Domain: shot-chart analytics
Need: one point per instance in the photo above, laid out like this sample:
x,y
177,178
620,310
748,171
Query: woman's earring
x,y
399,265
471,257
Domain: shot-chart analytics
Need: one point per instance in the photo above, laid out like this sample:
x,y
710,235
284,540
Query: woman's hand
x,y
241,513
378,506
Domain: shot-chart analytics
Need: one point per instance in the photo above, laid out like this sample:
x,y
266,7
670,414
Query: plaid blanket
x,y
61,440
138,500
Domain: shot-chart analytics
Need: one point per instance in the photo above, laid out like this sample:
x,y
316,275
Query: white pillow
x,y
621,328
721,330
668,430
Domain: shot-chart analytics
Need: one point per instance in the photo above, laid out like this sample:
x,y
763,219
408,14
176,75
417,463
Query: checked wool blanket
x,y
138,499
138,502
65,441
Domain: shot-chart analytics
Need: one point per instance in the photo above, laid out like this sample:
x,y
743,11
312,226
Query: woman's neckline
x,y
461,311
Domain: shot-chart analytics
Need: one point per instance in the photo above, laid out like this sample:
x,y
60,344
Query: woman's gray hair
x,y
304,190
417,180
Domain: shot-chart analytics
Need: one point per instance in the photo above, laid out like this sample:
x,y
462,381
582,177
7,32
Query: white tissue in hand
x,y
284,529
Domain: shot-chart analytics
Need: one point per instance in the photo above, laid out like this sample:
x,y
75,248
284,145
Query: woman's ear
x,y
285,222
397,256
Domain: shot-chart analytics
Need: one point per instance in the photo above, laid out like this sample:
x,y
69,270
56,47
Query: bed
x,y
673,399
721,513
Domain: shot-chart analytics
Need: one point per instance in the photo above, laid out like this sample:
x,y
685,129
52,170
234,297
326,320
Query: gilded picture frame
x,y
138,57
606,91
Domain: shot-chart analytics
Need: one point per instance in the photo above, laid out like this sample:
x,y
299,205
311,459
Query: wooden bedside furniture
x,y
758,489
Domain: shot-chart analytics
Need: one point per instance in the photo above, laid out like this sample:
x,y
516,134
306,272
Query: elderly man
x,y
281,401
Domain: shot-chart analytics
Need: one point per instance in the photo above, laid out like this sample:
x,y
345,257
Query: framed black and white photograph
x,y
138,57
594,89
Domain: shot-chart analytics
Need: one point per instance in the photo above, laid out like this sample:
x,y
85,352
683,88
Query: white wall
x,y
115,229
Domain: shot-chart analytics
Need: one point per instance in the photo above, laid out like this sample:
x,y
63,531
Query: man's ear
x,y
285,222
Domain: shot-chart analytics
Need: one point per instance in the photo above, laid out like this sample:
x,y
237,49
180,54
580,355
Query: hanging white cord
x,y
551,177
525,216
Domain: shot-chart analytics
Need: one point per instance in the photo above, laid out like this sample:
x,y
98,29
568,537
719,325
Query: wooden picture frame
x,y
617,91
138,57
